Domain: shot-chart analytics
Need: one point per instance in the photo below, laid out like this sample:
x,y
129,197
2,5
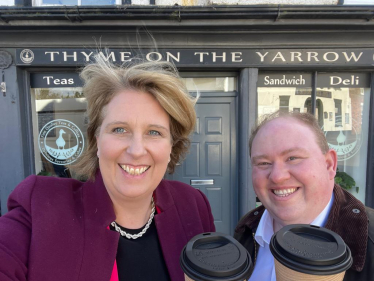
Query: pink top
x,y
114,276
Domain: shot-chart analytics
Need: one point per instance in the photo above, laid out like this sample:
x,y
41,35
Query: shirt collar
x,y
265,229
321,219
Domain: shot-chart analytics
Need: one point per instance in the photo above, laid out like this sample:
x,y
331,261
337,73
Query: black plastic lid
x,y
215,256
311,249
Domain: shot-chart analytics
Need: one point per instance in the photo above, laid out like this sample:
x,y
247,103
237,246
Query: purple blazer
x,y
56,229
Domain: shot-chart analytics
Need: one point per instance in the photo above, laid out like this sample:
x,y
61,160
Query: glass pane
x,y
60,2
345,121
285,92
211,84
75,2
98,2
59,129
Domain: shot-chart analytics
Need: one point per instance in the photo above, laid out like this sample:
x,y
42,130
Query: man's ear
x,y
331,163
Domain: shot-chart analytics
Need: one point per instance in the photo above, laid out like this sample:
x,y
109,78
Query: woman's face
x,y
134,145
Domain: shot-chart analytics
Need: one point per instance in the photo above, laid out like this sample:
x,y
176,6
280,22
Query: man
x,y
293,173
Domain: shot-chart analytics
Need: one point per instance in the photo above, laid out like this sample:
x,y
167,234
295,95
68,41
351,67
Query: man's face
x,y
291,176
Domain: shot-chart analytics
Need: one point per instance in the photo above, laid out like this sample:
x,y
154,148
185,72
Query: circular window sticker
x,y
346,143
61,142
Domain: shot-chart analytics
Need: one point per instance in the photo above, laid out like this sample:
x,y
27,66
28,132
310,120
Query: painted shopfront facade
x,y
242,67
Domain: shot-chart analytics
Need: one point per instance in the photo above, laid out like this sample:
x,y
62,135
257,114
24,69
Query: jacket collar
x,y
100,243
250,220
346,208
97,203
163,198
170,230
348,218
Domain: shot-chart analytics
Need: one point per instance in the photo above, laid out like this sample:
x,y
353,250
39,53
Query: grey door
x,y
211,165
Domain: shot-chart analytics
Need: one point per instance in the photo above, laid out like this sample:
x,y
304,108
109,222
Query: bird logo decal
x,y
60,141
67,147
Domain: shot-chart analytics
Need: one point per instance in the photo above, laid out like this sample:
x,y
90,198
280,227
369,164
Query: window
x,y
342,111
347,129
285,92
201,82
59,122
76,2
357,2
7,3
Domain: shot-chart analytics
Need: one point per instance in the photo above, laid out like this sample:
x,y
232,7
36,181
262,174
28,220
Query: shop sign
x,y
201,57
343,80
324,80
58,150
298,80
55,80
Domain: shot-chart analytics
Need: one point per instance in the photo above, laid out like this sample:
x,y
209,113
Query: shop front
x,y
240,73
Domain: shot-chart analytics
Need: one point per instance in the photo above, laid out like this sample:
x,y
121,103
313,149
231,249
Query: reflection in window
x,y
59,129
210,84
338,113
271,99
346,131
284,103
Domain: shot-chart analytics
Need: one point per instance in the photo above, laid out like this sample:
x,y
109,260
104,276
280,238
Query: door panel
x,y
208,166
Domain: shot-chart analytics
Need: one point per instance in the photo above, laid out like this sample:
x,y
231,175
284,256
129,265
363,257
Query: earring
x,y
169,159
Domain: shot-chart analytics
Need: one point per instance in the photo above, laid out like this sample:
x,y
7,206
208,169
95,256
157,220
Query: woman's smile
x,y
134,170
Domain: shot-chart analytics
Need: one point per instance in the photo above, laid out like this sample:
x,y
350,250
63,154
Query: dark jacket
x,y
56,229
348,217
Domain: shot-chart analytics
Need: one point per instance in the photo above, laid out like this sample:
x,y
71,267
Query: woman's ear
x,y
331,163
98,151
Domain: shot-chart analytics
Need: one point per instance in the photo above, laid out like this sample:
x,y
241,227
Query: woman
x,y
125,222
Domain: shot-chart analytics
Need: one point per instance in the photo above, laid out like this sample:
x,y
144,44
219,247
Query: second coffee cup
x,y
306,252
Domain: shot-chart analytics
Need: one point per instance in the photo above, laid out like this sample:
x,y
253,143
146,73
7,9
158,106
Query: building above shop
x,y
225,16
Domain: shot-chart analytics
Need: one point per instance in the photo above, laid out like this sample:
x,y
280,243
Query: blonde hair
x,y
103,80
305,118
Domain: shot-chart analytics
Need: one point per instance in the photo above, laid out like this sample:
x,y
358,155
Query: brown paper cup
x,y
186,278
304,252
285,274
215,256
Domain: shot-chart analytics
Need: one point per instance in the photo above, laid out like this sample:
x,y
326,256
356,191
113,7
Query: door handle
x,y
202,182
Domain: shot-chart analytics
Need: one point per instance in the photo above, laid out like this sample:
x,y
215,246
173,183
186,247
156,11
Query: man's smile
x,y
284,192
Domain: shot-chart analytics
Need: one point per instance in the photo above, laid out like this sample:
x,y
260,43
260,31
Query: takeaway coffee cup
x,y
215,256
307,252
